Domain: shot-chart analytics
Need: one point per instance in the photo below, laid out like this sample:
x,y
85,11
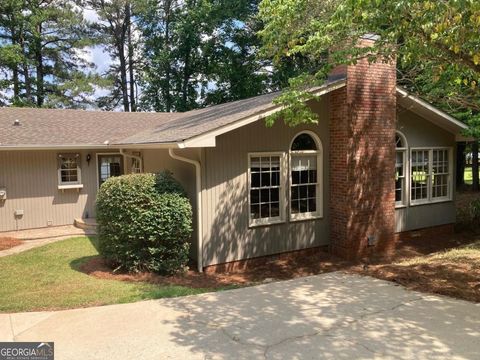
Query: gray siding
x,y
227,235
158,160
420,132
31,180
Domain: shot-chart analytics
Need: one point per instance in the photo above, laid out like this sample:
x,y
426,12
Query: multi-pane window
x,y
265,188
268,177
440,173
303,198
420,175
69,169
304,177
400,175
109,166
430,175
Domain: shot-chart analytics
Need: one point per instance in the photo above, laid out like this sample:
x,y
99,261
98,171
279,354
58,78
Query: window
x,y
69,172
430,175
109,165
305,177
265,187
400,172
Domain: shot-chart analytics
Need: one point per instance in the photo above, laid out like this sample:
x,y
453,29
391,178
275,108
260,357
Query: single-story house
x,y
379,163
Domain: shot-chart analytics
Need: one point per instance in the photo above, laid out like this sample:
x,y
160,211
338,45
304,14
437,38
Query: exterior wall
x,y
227,234
31,180
159,159
420,132
362,160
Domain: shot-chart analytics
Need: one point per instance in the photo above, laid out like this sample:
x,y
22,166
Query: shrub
x,y
468,217
142,228
166,183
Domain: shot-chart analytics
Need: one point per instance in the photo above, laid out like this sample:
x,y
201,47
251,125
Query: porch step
x,y
85,224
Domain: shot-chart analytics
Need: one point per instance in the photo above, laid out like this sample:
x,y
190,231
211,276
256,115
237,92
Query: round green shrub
x,y
141,228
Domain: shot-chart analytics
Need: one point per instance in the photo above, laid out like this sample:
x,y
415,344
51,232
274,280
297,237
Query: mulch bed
x,y
459,281
9,242
281,267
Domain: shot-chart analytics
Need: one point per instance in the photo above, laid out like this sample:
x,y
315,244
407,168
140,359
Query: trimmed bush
x,y
144,223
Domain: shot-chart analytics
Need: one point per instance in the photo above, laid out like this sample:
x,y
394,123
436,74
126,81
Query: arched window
x,y
305,176
400,169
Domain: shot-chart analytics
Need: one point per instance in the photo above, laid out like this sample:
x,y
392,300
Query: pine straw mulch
x,y
9,242
281,267
448,265
427,265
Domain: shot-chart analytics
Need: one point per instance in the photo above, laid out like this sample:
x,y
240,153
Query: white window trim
x,y
406,169
319,191
65,185
429,199
281,198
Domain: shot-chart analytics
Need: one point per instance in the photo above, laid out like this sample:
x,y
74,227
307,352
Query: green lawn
x,y
468,175
47,278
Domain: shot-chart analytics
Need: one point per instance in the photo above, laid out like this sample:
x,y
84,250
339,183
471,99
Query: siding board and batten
x,y
227,234
422,133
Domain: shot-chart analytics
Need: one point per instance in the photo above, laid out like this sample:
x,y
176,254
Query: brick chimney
x,y
362,159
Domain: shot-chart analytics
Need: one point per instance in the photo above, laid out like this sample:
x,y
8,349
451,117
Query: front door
x,y
108,166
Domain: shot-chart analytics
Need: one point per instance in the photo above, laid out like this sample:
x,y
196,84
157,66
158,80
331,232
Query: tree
x,y
115,30
199,52
41,53
437,45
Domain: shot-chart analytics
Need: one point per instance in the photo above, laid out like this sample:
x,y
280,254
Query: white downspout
x,y
199,204
140,161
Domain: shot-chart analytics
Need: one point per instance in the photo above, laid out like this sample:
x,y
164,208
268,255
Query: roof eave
x,y
436,116
23,147
208,139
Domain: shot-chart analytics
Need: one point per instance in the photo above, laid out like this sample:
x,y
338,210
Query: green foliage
x,y
468,217
437,44
141,226
40,54
166,183
199,53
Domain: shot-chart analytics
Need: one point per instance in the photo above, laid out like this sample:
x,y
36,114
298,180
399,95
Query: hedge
x,y
144,223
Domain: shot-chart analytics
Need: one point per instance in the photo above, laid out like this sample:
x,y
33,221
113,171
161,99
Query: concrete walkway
x,y
329,316
38,237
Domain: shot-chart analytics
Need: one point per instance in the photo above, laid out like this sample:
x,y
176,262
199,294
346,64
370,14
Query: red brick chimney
x,y
362,159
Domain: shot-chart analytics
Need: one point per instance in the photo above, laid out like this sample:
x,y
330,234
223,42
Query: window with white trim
x,y
265,188
69,172
430,175
305,192
400,169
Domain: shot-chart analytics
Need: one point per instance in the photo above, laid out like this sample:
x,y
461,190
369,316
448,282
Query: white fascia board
x,y
208,139
419,102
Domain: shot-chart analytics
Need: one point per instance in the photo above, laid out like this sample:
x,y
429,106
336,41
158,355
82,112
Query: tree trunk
x,y
123,72
26,75
475,183
133,105
40,70
168,102
460,176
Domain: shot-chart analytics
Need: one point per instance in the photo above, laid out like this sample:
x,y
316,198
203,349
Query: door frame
x,y
97,155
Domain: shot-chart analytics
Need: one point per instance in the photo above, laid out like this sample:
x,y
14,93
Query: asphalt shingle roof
x,y
51,127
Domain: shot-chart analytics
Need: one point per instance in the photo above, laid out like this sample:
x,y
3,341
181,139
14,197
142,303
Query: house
x,y
378,165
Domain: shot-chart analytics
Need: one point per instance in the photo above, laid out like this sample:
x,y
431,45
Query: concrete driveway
x,y
329,316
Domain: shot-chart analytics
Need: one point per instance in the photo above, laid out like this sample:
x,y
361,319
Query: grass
x,y
47,278
468,175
